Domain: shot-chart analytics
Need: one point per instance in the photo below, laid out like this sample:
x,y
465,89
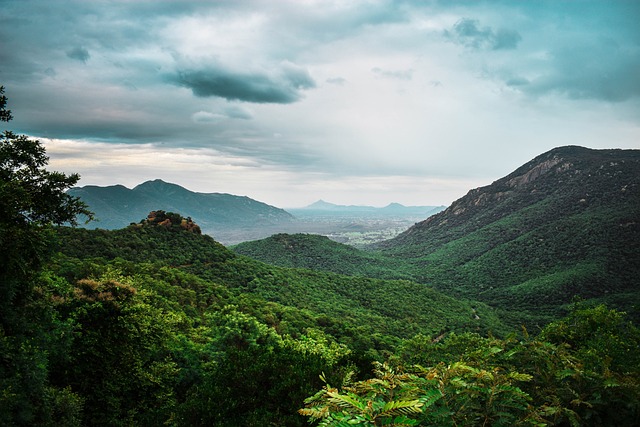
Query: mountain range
x,y
197,330
233,219
321,207
117,206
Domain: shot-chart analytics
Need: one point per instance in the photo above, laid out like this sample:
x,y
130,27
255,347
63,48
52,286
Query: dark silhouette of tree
x,y
32,199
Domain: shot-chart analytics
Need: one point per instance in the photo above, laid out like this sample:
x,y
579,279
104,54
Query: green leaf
x,y
401,407
430,397
346,401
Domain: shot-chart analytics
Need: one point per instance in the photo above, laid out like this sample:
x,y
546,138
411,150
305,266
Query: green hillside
x,y
400,308
152,325
563,226
321,253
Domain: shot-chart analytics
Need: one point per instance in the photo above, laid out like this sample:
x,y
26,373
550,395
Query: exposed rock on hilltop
x,y
168,220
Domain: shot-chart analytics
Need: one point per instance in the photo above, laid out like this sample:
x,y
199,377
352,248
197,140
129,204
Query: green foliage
x,y
258,375
31,200
120,359
584,378
5,115
146,244
148,345
367,314
390,398
603,338
456,394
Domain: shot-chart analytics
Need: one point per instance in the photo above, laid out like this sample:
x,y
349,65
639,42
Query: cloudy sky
x,y
288,102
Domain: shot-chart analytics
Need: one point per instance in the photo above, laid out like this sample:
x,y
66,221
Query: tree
x,y
32,199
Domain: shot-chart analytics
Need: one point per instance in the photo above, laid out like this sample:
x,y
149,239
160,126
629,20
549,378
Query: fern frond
x,y
430,397
346,400
316,398
401,407
519,377
314,412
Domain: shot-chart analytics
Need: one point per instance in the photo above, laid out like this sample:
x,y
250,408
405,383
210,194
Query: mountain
x,y
565,224
322,208
322,205
117,206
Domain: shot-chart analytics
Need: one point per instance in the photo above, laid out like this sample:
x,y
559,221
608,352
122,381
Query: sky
x,y
288,102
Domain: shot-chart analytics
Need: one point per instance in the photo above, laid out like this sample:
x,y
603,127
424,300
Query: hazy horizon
x,y
355,103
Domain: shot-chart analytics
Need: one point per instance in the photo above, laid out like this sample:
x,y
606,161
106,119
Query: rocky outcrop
x,y
168,220
534,173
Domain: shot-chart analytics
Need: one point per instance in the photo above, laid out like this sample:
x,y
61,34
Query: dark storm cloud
x,y
282,87
468,32
79,53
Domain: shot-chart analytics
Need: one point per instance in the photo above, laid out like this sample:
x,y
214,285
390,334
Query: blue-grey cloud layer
x,y
303,85
468,32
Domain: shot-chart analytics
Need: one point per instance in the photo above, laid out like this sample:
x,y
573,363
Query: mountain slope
x,y
565,224
116,206
321,253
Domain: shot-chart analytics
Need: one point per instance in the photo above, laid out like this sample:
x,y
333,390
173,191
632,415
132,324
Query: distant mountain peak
x,y
394,206
158,185
321,204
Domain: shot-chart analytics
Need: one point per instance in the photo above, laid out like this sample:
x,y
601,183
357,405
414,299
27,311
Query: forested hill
x,y
321,253
562,182
565,224
116,206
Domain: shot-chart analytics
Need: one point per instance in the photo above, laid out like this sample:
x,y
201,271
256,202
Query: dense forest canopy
x,y
159,325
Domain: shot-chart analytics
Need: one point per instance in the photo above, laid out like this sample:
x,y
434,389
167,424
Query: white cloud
x,y
207,117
